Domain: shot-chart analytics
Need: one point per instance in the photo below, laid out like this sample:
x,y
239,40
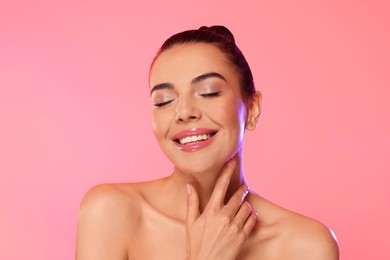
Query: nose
x,y
186,110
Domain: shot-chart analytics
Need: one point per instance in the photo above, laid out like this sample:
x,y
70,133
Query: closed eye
x,y
162,104
211,95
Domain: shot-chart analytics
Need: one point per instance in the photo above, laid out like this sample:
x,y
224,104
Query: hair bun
x,y
221,30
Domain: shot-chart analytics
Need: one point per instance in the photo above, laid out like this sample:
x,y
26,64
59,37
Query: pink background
x,y
75,111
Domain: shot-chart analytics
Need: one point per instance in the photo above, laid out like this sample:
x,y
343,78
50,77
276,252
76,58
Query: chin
x,y
198,168
203,161
202,164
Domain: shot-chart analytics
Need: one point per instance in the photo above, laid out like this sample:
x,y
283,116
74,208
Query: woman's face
x,y
198,112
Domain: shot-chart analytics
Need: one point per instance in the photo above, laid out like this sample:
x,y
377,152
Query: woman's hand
x,y
221,230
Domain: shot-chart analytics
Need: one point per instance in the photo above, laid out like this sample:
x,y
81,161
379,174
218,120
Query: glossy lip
x,y
192,147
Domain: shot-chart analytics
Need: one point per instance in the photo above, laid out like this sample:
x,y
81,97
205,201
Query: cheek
x,y
234,113
159,124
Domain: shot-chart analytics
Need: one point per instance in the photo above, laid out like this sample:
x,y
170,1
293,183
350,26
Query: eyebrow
x,y
161,86
206,76
193,82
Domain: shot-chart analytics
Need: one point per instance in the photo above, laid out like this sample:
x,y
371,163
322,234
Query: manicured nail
x,y
246,190
231,163
189,190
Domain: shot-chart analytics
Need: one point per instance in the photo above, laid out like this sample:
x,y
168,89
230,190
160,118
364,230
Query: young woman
x,y
203,100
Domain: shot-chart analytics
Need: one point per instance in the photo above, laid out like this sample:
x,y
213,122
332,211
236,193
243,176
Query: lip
x,y
192,147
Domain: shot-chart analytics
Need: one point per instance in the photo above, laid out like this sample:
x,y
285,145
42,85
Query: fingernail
x,y
246,190
189,190
231,162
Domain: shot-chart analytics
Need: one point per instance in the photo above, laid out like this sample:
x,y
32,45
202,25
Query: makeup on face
x,y
197,110
194,139
206,85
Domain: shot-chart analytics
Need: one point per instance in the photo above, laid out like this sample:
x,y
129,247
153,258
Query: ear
x,y
253,111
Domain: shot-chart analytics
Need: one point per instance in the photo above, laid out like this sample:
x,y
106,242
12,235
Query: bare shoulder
x,y
307,238
107,201
108,214
295,236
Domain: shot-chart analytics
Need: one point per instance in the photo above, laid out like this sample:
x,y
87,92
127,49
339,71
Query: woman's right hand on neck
x,y
221,230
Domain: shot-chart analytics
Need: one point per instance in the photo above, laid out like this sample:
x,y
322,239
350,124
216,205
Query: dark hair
x,y
222,38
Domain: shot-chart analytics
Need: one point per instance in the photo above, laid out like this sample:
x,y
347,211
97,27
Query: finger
x,y
250,222
243,214
236,200
192,205
218,196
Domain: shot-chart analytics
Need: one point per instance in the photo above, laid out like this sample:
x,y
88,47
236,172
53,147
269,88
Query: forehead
x,y
187,61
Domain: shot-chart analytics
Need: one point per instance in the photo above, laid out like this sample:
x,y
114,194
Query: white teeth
x,y
194,138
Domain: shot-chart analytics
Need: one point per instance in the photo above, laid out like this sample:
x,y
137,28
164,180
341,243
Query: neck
x,y
204,182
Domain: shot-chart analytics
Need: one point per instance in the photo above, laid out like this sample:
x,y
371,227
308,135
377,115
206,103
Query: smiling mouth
x,y
194,138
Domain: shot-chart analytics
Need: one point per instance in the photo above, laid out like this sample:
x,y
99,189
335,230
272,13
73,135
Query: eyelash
x,y
211,95
162,104
208,95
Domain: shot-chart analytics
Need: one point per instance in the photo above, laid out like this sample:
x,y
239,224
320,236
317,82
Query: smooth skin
x,y
204,209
